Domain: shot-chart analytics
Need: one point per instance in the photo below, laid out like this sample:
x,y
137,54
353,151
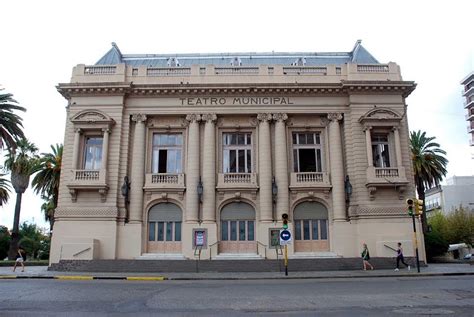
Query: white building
x,y
459,190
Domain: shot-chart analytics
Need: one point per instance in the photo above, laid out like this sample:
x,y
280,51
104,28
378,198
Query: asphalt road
x,y
338,297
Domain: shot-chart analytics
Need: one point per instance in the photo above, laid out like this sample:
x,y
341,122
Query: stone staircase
x,y
220,265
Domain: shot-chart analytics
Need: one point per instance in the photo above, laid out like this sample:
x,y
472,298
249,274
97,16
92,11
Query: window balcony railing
x,y
309,179
164,180
386,172
88,180
237,180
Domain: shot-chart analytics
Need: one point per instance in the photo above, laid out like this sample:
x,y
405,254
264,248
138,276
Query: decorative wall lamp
x,y
274,196
200,191
347,188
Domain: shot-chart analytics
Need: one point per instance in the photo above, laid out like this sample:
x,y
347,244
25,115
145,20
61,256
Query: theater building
x,y
169,156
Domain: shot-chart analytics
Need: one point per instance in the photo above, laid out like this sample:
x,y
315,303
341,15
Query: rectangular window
x,y
250,231
225,231
93,153
324,229
307,152
177,231
237,153
241,230
315,234
233,231
306,230
167,153
161,227
380,150
152,231
298,230
169,231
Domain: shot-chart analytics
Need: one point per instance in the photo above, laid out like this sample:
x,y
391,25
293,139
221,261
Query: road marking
x,y
73,277
145,278
5,277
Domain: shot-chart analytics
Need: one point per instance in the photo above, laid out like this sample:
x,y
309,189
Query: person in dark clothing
x,y
366,257
400,257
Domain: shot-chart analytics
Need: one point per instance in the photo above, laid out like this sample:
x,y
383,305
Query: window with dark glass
x,y
167,153
311,229
307,152
164,231
237,152
242,230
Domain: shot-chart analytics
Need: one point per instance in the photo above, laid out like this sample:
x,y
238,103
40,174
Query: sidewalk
x,y
41,272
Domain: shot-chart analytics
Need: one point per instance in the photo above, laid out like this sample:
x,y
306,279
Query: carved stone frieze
x,y
87,211
376,211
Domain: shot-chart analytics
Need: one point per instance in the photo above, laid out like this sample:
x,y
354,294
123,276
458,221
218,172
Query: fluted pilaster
x,y
337,167
192,170
105,149
281,164
368,144
398,149
138,169
75,152
265,166
209,169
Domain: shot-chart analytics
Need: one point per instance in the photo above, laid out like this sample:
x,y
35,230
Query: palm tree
x,y
10,123
429,166
21,163
4,190
46,181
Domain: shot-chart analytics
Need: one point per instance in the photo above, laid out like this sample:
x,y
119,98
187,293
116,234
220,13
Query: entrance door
x,y
164,229
311,227
237,230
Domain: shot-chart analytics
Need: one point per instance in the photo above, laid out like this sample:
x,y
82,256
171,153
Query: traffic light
x,y
418,207
284,217
410,204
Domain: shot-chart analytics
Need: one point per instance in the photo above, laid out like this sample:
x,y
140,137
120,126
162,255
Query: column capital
x,y
106,130
138,117
280,117
209,117
194,117
264,117
78,130
395,128
334,117
367,128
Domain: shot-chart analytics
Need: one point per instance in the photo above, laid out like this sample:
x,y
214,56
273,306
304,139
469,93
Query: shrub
x,y
435,244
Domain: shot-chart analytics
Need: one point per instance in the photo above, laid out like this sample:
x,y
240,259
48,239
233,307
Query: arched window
x,y
164,222
238,222
311,221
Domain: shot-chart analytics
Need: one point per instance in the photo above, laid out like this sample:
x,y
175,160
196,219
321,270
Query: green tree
x,y
4,189
21,162
460,226
46,181
11,127
4,242
31,239
429,165
436,243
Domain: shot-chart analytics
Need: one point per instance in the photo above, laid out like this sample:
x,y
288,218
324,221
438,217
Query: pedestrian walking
x,y
366,257
20,259
400,257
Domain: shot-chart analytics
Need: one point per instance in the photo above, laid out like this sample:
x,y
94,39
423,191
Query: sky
x,y
41,41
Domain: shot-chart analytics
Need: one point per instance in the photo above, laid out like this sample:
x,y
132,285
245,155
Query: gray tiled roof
x,y
358,55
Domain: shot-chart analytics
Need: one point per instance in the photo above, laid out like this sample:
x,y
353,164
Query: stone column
x,y
105,149
337,167
368,144
137,173
209,169
281,164
192,168
75,150
265,167
398,149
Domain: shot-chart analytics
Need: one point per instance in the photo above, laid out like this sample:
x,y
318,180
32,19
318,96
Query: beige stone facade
x,y
217,149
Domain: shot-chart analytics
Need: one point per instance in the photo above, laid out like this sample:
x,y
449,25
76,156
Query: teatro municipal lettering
x,y
222,101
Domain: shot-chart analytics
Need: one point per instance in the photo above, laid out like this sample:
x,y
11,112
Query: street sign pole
x,y
286,260
416,243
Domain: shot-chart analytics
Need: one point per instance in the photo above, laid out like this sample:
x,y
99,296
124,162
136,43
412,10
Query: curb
x,y
192,278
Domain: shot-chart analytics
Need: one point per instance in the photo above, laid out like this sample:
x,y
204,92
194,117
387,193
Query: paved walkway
x,y
430,270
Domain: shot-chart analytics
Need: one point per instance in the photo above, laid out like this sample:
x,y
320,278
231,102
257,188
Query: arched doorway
x,y
311,227
164,228
237,232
